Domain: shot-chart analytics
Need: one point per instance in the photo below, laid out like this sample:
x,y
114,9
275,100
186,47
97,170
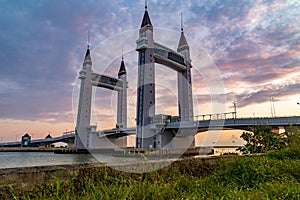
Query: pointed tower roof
x,y
182,40
146,19
87,54
26,135
87,58
122,69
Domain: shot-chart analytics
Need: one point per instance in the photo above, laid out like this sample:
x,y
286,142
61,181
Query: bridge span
x,y
246,123
195,127
205,125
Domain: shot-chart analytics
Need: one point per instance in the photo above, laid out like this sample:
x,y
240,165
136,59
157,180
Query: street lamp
x,y
234,106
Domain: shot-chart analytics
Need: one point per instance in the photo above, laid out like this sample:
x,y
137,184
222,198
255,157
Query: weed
x,y
273,176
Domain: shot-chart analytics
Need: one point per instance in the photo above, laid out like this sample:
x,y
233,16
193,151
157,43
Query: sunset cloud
x,y
255,46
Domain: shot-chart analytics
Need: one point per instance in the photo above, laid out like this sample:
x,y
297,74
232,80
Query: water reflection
x,y
83,158
30,159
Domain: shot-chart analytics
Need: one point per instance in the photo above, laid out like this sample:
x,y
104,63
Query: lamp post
x,y
234,106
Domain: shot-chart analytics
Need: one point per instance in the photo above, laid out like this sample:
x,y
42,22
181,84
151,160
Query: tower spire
x,y
146,19
87,57
122,69
122,52
181,22
182,41
88,42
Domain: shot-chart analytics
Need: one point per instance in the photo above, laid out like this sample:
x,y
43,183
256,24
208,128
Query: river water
x,y
29,159
32,159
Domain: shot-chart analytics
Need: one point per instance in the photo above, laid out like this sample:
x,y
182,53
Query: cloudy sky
x,y
254,45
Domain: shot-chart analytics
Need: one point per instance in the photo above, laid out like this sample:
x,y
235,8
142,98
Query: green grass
x,y
273,176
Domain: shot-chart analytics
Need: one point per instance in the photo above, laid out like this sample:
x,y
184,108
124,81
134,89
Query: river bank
x,y
29,149
275,175
26,178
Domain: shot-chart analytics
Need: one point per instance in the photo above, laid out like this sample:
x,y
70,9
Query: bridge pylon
x,y
149,53
146,84
122,97
84,131
85,102
184,80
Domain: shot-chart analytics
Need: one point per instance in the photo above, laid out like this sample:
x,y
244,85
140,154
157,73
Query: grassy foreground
x,y
275,175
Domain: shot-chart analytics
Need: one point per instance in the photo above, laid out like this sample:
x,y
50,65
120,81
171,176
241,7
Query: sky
x,y
253,48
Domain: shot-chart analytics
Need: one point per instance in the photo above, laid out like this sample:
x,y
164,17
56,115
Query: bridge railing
x,y
231,115
217,116
283,121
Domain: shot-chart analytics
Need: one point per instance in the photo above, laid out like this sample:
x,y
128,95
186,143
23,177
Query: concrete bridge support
x,y
171,139
96,142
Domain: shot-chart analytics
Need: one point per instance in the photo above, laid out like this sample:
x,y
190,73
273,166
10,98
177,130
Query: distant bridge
x,y
67,138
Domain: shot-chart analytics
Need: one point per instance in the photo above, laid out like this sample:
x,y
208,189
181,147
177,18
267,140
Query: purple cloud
x,y
43,44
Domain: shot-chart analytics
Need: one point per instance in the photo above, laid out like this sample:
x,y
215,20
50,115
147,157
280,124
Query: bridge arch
x,y
89,79
149,53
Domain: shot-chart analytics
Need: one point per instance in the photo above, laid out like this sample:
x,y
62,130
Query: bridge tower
x,y
146,83
84,105
122,97
185,95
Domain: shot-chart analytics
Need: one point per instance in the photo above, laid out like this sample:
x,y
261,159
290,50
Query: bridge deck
x,y
168,57
107,82
202,125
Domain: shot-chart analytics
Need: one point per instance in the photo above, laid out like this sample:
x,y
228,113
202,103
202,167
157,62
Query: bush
x,y
293,137
288,153
261,139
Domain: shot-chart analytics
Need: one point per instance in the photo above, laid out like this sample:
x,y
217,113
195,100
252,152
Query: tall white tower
x,y
146,83
84,105
185,95
122,97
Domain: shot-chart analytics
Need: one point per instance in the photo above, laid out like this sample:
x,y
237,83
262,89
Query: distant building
x,y
25,140
48,136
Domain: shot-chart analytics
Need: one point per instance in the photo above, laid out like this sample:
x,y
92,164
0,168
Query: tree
x,y
293,137
261,139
